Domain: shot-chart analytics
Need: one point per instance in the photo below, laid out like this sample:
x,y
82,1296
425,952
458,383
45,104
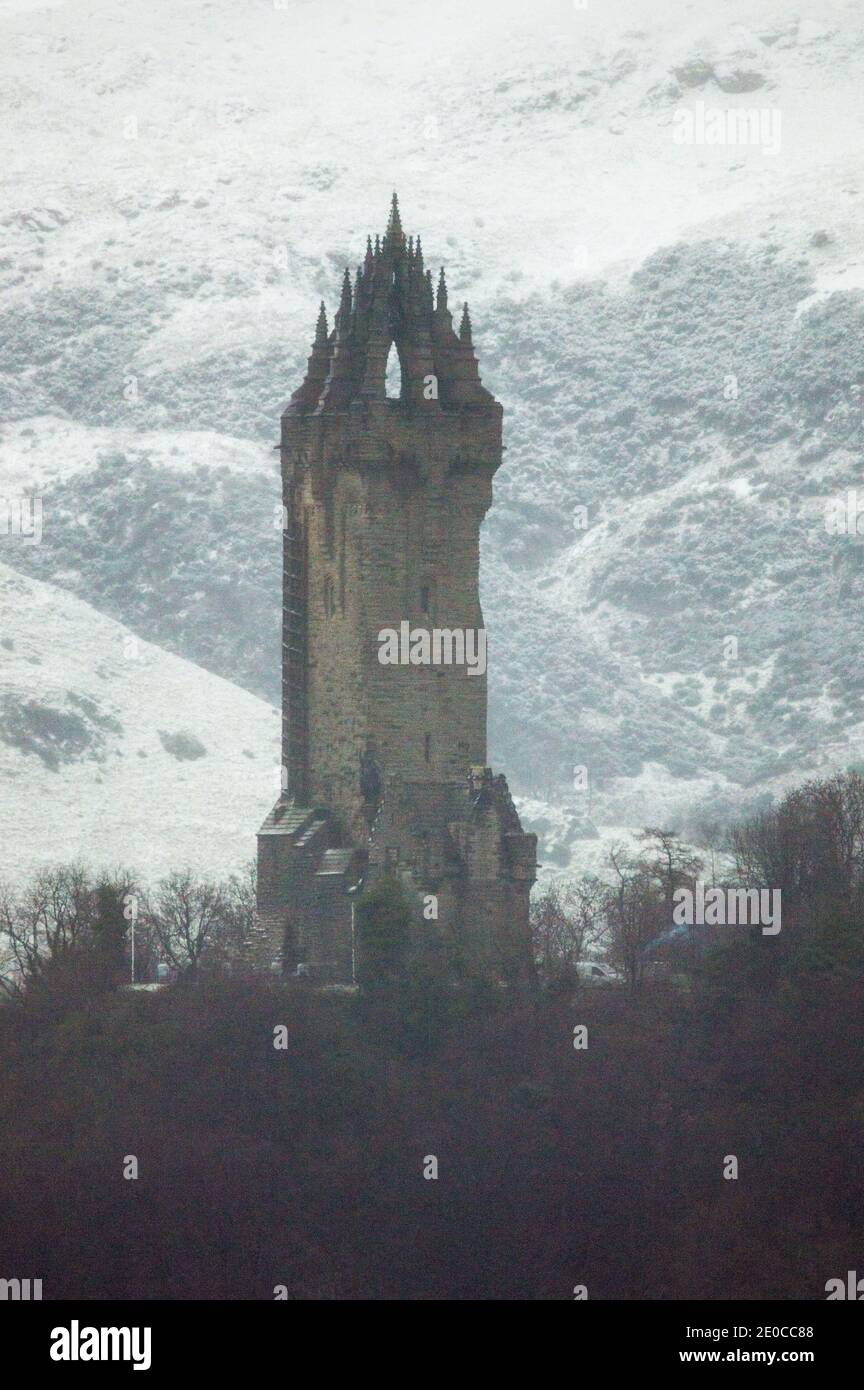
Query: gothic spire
x,y
442,292
307,395
343,317
465,325
394,225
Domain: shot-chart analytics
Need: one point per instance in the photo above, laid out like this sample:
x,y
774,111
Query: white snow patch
x,y
126,800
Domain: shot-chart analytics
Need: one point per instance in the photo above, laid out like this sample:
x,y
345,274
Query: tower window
x,y
329,601
427,748
393,375
424,599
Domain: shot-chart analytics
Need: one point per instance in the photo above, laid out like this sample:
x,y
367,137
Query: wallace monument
x,y
384,489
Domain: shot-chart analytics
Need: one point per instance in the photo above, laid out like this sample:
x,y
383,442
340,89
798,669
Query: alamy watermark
x,y
21,516
20,1290
728,907
437,646
758,126
851,1288
844,516
77,1343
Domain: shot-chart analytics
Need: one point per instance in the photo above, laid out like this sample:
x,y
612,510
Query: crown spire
x,y
393,296
342,319
441,304
394,225
346,289
321,326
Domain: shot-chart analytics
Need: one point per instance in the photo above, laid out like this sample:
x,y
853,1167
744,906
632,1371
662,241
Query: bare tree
x,y
635,907
52,918
673,864
11,979
63,917
565,919
239,897
188,917
811,845
811,848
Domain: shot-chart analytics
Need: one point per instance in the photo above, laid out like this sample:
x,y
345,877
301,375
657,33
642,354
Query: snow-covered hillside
x,y
174,533
118,754
230,154
675,329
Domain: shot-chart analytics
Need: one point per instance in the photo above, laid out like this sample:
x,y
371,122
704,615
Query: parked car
x,y
594,972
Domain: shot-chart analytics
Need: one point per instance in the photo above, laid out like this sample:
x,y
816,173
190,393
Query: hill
x,y
114,752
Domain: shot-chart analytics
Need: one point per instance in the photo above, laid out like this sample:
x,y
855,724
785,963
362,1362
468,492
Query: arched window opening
x,y
393,375
427,748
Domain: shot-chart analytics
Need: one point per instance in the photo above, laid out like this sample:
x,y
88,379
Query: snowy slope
x,y
175,534
182,182
116,753
36,454
314,112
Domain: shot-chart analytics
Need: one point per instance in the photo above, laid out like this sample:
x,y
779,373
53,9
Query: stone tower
x,y
383,646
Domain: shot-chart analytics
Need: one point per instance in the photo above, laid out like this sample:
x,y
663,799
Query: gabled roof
x,y
286,819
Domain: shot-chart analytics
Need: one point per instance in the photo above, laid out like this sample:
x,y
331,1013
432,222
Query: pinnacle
x,y
394,225
442,291
344,314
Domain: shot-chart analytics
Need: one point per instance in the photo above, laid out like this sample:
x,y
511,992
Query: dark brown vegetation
x,y
303,1166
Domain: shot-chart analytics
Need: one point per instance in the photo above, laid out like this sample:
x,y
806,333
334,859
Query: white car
x,y
596,973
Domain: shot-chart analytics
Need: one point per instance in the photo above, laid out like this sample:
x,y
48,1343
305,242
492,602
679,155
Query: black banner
x,y
160,1339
